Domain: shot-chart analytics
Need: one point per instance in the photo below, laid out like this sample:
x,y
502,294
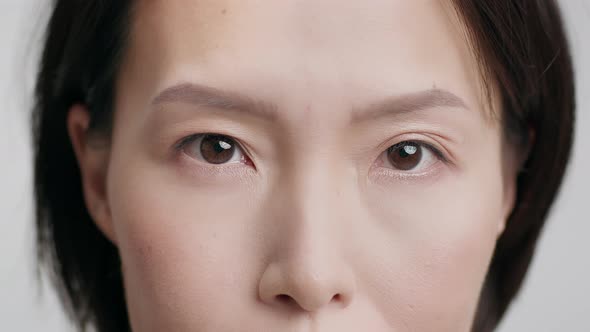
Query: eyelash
x,y
246,159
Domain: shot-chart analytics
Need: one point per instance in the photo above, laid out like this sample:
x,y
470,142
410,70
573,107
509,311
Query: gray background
x,y
556,294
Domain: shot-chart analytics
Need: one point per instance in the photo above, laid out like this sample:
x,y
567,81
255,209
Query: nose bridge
x,y
313,211
308,269
313,185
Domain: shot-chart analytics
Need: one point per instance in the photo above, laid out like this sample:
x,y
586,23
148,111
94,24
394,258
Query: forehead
x,y
350,50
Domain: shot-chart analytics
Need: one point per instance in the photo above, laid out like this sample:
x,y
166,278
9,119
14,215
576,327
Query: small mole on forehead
x,y
223,11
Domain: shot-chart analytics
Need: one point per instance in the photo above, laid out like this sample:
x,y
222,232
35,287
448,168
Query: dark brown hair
x,y
522,51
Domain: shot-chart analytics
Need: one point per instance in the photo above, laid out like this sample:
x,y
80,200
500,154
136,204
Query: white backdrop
x,y
556,296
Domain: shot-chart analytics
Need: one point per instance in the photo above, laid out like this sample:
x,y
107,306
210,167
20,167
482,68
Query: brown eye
x,y
405,156
213,149
217,149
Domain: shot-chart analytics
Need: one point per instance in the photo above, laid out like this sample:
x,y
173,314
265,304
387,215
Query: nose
x,y
307,269
305,288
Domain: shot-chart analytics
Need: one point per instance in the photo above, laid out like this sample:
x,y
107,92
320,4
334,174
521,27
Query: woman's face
x,y
302,166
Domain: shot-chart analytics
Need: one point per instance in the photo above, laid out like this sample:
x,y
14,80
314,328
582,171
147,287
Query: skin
x,y
316,232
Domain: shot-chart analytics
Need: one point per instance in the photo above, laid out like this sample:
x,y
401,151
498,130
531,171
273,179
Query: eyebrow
x,y
415,101
206,96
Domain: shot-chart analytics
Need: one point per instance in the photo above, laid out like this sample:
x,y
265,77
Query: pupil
x,y
405,156
217,149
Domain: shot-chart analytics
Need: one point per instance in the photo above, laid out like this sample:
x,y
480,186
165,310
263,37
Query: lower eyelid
x,y
380,171
195,168
409,172
193,161
380,174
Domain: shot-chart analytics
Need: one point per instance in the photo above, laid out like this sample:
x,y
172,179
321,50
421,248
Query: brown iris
x,y
405,156
217,149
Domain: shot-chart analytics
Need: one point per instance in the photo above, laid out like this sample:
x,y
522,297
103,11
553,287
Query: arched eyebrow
x,y
206,96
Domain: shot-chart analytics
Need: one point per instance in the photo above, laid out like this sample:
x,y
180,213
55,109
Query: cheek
x,y
437,240
176,243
